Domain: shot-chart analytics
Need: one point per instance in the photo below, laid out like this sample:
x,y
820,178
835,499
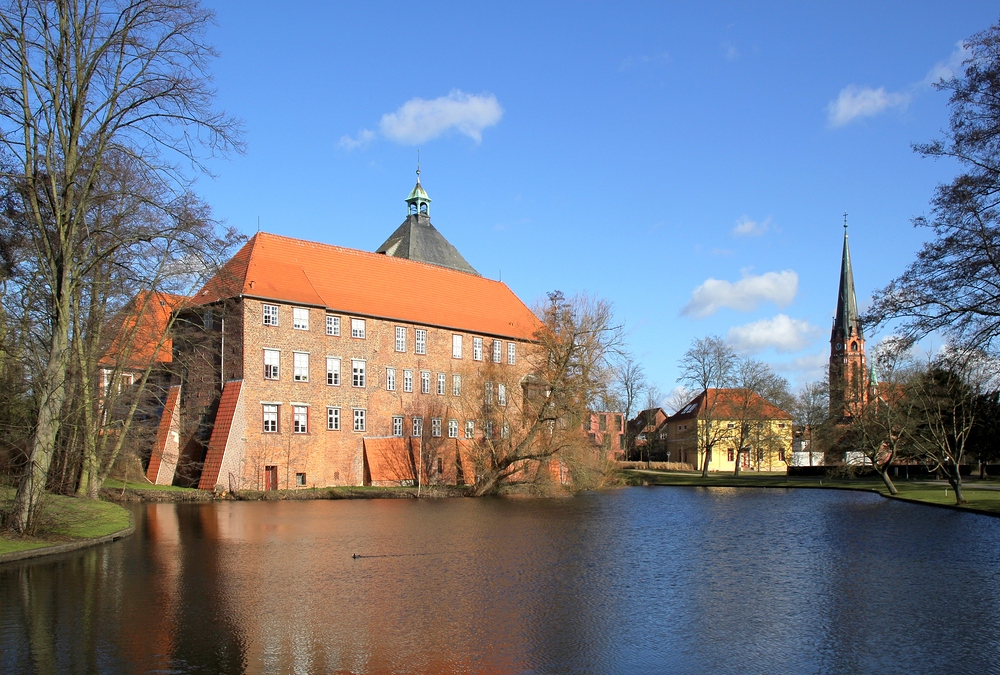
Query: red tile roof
x,y
220,435
273,267
137,340
726,404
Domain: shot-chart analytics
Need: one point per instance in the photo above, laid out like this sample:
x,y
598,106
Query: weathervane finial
x,y
845,220
418,166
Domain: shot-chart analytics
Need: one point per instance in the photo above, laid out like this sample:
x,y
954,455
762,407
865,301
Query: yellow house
x,y
738,424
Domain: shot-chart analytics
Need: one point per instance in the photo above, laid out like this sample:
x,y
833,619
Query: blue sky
x,y
691,164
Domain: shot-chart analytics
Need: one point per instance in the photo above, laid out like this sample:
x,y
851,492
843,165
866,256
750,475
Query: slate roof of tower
x,y
273,267
417,239
847,303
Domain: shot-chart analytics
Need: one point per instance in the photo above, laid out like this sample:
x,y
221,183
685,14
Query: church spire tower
x,y
848,367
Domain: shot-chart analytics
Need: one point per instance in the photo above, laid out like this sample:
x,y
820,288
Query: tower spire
x,y
847,318
418,203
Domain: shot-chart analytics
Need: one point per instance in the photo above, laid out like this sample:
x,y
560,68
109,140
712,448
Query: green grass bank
x,y
982,496
65,520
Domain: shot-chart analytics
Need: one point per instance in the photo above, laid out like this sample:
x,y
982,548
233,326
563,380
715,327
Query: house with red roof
x,y
739,424
304,364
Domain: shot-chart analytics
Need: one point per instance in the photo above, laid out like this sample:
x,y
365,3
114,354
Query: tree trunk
x,y
736,470
29,491
883,471
708,459
955,478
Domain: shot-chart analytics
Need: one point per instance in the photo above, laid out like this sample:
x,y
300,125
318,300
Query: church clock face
x,y
840,346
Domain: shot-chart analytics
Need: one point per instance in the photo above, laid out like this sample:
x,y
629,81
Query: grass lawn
x,y
116,484
64,519
976,492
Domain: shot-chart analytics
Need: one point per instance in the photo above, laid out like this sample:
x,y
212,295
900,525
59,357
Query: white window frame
x,y
401,339
511,353
436,427
417,426
390,379
300,318
488,393
276,373
358,328
502,394
332,418
420,341
477,349
332,325
358,373
456,385
442,384
300,419
397,426
333,371
470,429
277,417
360,423
425,381
270,315
407,380
456,346
497,351
452,428
300,366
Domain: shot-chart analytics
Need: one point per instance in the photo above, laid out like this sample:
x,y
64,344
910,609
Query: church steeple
x,y
848,367
846,322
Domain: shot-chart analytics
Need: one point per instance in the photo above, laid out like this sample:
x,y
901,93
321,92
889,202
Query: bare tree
x,y
83,80
540,417
629,382
653,397
954,284
708,364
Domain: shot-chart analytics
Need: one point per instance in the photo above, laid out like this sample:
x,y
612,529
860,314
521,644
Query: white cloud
x,y
364,137
747,227
855,102
744,295
420,120
810,368
782,333
944,70
632,61
730,51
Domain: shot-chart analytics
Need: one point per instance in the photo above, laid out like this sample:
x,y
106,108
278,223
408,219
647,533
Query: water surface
x,y
640,580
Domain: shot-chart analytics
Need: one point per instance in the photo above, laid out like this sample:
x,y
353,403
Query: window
x,y
332,325
400,339
452,428
729,456
397,426
418,426
488,393
502,394
357,373
488,432
425,382
477,349
456,346
470,429
300,480
300,363
505,430
333,419
270,418
497,351
207,319
421,341
456,385
272,360
270,315
510,353
602,422
436,427
407,380
440,464
300,415
441,384
300,318
333,371
731,425
358,328
390,379
359,419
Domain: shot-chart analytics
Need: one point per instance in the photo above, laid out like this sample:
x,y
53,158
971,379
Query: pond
x,y
638,580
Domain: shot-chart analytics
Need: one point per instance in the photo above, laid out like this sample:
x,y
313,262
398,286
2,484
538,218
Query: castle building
x,y
848,364
303,364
